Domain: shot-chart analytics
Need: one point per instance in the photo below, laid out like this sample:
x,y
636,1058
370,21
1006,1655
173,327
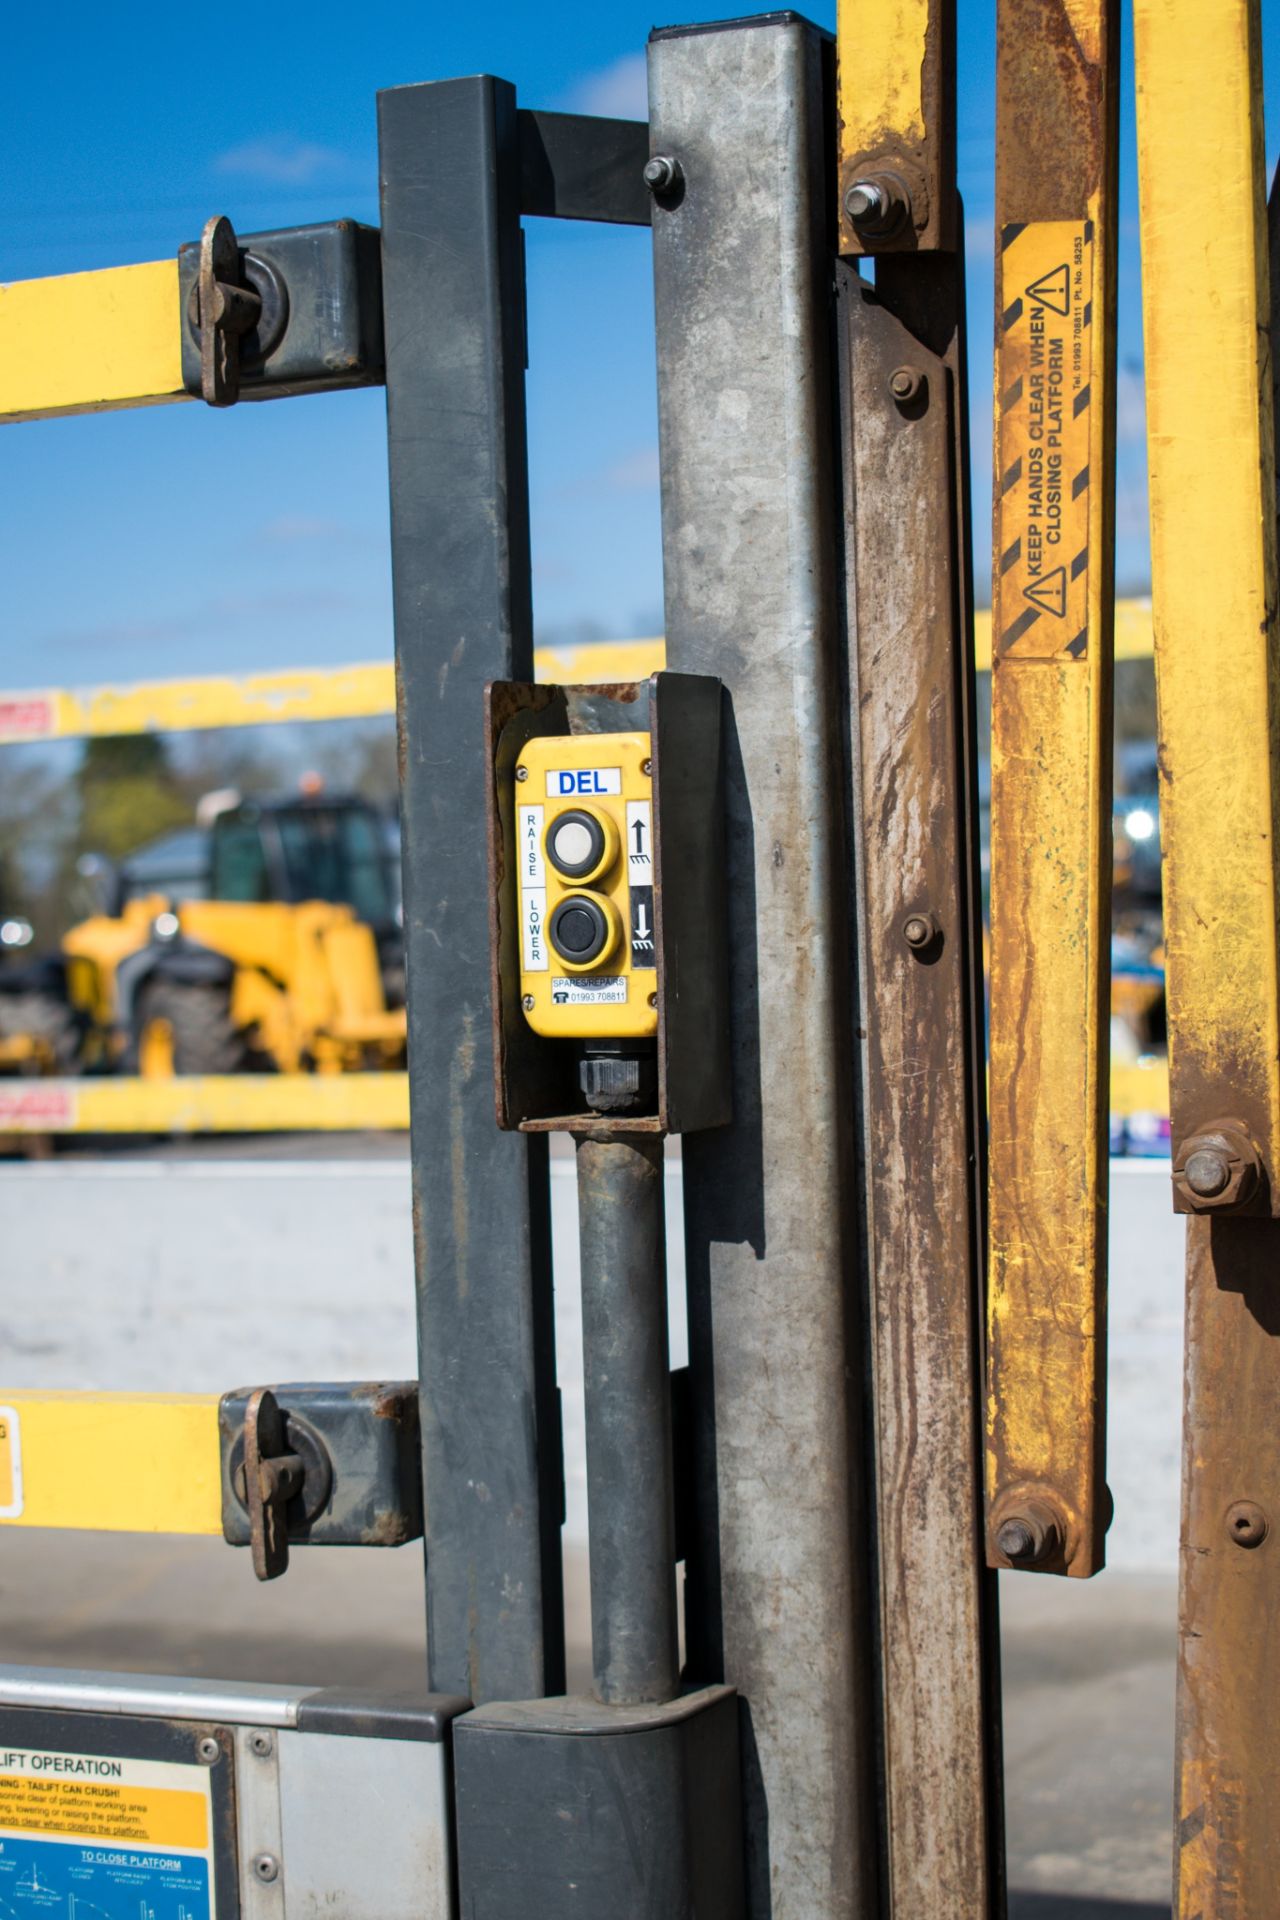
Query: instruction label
x,y
591,990
90,1835
1044,375
533,889
10,1464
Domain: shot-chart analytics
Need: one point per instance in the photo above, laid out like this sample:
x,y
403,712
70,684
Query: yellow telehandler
x,y
293,961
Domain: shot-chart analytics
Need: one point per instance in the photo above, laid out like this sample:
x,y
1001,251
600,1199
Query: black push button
x,y
579,930
575,843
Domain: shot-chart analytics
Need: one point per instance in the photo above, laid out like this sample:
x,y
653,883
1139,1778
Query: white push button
x,y
572,844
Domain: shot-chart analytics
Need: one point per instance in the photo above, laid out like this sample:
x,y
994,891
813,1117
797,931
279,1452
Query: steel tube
x,y
628,1420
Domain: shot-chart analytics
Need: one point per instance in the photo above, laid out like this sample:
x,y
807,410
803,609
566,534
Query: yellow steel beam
x,y
127,1463
1050,781
1213,554
362,691
266,699
230,1103
88,342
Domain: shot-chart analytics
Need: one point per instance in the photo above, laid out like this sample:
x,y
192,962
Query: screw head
x,y
646,767
662,174
653,1000
265,1867
260,1743
528,1003
522,773
905,384
208,1750
1247,1524
920,930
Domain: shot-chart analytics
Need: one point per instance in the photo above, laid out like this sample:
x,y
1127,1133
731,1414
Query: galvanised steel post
x,y
776,1591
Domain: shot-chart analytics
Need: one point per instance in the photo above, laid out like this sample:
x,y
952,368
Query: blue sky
x,y
121,130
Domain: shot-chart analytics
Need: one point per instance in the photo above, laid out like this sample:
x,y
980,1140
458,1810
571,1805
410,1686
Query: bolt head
x,y
528,1003
646,767
653,1000
1247,1524
208,1750
265,1866
1217,1168
662,174
260,1743
920,930
522,773
905,384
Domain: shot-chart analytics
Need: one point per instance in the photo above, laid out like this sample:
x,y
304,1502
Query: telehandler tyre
x,y
185,1027
45,1019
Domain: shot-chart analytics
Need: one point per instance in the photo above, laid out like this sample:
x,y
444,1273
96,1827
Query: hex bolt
x,y
1217,1168
265,1867
920,930
1247,1524
208,1750
906,384
1030,1533
662,174
260,1743
878,205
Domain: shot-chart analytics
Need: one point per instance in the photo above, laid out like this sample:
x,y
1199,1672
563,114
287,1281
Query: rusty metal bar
x,y
1211,295
895,91
917,898
1051,778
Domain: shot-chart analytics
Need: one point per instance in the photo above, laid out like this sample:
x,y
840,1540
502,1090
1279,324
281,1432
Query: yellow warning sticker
x,y
95,1809
10,1465
1044,399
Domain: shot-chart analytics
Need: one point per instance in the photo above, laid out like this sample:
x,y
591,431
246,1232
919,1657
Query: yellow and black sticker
x,y
1044,376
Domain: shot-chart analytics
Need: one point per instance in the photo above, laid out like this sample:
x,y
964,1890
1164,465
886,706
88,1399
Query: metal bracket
x,y
271,1478
227,309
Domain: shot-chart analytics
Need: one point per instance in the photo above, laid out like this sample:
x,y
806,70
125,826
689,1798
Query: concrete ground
x,y
146,1274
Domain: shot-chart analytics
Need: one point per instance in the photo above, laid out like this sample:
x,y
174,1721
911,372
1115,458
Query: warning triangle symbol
x,y
1049,594
1051,289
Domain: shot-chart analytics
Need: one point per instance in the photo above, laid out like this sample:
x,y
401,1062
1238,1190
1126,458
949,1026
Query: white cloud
x,y
619,91
287,529
280,159
635,472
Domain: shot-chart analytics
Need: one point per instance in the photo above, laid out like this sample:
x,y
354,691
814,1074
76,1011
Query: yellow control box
x,y
584,859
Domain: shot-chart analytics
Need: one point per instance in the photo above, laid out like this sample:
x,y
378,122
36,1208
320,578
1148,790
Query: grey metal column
x,y
627,1380
453,299
776,1599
